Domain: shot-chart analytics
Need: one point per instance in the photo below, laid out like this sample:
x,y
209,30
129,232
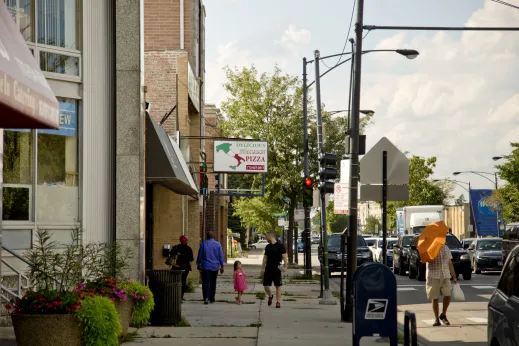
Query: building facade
x,y
109,169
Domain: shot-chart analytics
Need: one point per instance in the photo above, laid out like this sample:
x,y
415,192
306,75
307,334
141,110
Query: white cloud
x,y
293,38
459,100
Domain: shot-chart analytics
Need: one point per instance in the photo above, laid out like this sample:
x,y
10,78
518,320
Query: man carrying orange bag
x,y
437,255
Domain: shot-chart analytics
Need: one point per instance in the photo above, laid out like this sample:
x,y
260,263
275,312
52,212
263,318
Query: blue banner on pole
x,y
400,222
485,220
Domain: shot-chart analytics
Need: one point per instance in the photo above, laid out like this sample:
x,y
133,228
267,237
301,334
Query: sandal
x,y
444,320
278,305
270,300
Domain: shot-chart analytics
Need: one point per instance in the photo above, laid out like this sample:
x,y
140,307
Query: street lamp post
x,y
482,174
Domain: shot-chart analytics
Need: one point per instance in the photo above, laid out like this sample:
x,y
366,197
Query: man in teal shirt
x,y
210,259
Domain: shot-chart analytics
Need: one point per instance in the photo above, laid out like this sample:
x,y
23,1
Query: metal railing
x,y
8,294
410,335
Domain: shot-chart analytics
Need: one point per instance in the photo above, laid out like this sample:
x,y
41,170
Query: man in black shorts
x,y
271,268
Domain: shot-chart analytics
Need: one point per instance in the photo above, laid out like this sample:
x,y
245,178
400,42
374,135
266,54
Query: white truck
x,y
412,220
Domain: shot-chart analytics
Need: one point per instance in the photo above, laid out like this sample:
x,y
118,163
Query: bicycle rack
x,y
410,336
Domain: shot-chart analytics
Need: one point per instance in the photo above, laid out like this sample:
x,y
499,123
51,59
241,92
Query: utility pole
x,y
327,298
307,223
354,161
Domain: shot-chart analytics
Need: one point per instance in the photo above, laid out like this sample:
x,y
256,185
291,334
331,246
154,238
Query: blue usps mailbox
x,y
374,303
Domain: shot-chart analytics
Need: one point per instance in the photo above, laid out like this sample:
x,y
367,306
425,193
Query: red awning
x,y
26,99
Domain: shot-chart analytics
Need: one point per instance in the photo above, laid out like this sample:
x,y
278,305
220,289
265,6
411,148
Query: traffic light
x,y
204,181
308,192
327,172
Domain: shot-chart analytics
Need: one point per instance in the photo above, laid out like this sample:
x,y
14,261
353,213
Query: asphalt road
x,y
412,291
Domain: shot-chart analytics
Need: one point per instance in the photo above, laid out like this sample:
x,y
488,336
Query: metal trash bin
x,y
166,286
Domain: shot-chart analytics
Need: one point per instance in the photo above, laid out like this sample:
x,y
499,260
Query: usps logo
x,y
376,309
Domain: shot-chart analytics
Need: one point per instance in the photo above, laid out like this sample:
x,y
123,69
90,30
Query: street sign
x,y
374,193
341,198
345,171
374,313
281,221
397,164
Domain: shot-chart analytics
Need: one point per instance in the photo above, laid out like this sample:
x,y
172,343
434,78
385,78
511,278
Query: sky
x,y
458,101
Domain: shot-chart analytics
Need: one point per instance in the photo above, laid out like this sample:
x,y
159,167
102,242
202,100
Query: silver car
x,y
503,308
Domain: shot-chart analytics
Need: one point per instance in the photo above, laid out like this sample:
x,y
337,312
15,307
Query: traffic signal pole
x,y
327,298
307,223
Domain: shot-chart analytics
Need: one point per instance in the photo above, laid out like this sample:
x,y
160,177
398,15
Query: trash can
x,y
166,286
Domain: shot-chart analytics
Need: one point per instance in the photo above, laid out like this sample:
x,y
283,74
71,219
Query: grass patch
x,y
261,295
190,286
401,338
256,324
219,301
288,294
130,337
304,277
336,294
290,300
183,323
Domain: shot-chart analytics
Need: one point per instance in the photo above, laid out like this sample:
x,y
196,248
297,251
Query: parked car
x,y
400,252
372,245
503,307
316,240
486,254
300,246
460,259
261,244
510,238
466,242
364,255
377,250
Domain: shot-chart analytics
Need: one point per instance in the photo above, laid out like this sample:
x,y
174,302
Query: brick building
x,y
216,212
174,65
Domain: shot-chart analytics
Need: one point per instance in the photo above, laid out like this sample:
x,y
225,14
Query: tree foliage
x,y
506,198
256,212
335,223
373,225
421,190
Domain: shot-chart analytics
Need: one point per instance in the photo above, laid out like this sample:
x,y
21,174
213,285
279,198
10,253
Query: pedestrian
x,y
271,268
439,273
184,257
210,259
240,283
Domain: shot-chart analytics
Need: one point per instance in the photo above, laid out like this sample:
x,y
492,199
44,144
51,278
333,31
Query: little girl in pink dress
x,y
240,284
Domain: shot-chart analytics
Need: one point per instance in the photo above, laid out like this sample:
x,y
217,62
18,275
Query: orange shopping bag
x,y
431,241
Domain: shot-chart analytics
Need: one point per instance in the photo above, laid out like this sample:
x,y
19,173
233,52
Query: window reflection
x,y
57,23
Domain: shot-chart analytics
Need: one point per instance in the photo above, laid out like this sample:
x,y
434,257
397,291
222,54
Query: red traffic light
x,y
309,182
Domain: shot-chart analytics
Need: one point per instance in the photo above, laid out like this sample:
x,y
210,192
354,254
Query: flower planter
x,y
125,310
47,330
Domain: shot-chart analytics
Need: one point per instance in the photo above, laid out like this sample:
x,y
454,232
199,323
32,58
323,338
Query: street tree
x,y
506,198
256,212
373,224
421,190
460,200
335,223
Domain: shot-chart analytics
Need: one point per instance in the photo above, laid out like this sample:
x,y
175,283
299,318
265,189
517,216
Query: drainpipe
x,y
181,24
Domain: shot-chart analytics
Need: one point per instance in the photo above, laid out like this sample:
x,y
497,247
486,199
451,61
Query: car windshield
x,y
406,241
418,229
452,242
489,244
370,242
335,241
390,244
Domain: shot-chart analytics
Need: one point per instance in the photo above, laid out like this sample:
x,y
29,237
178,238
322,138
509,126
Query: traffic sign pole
x,y
384,207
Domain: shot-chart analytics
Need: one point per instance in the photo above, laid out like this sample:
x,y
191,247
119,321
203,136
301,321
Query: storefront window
x,y
57,23
57,183
23,15
17,191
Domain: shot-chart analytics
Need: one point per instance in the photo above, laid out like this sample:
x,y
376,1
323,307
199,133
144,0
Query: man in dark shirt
x,y
271,268
184,255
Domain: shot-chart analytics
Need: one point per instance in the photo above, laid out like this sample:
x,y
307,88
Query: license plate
x,y
500,263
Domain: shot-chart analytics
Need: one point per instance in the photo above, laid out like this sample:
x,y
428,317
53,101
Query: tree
x,y
256,212
235,225
335,223
506,198
421,190
373,224
460,200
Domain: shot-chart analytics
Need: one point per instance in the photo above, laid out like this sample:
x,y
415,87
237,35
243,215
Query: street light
x,y
457,182
408,53
496,158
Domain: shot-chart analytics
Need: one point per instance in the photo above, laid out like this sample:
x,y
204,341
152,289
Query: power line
x,y
505,3
347,36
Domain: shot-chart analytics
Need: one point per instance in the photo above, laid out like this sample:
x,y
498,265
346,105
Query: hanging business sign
x,y
232,156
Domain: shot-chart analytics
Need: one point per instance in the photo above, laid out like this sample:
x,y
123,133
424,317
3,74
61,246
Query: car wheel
x,y
253,247
421,272
412,272
467,275
402,270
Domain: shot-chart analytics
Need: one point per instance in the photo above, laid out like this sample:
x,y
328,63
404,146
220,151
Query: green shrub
x,y
100,321
143,302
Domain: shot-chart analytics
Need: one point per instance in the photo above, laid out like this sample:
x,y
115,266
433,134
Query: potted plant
x,y
49,318
110,288
143,302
